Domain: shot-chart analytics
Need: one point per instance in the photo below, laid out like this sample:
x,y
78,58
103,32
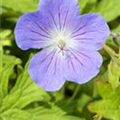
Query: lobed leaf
x,y
24,89
8,64
109,106
113,74
16,114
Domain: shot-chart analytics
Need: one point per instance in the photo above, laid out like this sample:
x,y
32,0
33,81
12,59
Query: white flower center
x,y
62,39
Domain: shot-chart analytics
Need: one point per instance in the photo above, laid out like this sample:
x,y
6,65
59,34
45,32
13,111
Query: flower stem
x,y
112,53
75,92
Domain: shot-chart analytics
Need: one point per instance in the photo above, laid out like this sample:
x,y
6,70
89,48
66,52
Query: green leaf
x,y
117,29
113,74
5,33
8,64
109,106
21,5
16,114
83,100
82,103
9,101
57,117
86,5
4,37
47,109
66,105
53,113
9,59
29,90
106,108
24,89
109,9
105,90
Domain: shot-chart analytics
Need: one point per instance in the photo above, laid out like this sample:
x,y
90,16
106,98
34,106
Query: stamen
x,y
61,44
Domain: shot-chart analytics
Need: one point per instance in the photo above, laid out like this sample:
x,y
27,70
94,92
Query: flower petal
x,y
82,66
61,12
46,69
89,31
31,31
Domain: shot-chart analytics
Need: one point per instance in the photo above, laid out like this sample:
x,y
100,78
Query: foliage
x,y
22,99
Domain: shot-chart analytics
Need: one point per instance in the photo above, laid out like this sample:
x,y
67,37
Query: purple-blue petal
x,y
90,30
46,69
32,31
60,12
82,66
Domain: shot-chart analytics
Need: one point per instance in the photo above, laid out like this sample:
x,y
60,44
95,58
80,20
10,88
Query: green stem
x,y
75,92
112,53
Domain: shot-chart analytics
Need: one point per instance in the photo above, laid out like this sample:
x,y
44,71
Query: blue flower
x,y
69,42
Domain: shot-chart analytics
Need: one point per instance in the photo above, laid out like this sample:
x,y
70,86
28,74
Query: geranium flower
x,y
69,42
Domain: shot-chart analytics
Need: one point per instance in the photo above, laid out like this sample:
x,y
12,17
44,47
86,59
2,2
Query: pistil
x,y
61,44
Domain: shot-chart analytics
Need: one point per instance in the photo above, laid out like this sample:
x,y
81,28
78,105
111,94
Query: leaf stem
x,y
75,92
